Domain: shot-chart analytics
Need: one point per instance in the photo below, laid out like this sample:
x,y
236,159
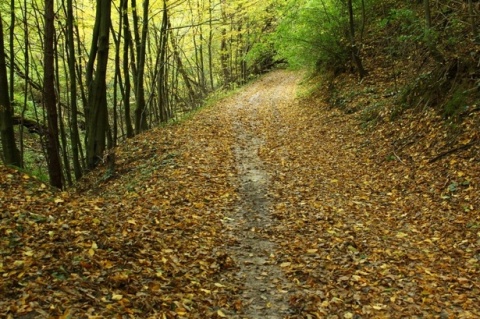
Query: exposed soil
x,y
265,289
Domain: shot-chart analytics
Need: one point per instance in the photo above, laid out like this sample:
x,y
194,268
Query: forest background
x,y
371,168
80,77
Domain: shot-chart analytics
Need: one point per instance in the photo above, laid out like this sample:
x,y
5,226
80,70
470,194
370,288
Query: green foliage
x,y
261,54
403,20
406,32
313,35
35,165
456,104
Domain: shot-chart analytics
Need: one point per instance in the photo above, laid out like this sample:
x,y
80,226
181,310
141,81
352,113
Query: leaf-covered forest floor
x,y
262,206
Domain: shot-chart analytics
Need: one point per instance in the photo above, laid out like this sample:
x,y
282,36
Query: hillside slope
x,y
262,206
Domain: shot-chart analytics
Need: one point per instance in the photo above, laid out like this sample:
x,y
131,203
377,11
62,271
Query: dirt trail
x,y
260,207
265,290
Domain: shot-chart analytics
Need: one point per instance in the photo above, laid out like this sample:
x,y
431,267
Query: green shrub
x,y
456,104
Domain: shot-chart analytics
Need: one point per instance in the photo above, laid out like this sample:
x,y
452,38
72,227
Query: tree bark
x,y
75,137
97,121
353,45
141,108
162,81
181,69
224,54
49,98
210,40
126,69
11,155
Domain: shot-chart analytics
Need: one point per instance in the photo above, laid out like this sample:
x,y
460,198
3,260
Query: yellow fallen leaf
x,y
28,253
401,235
378,307
285,264
116,297
199,205
221,314
219,285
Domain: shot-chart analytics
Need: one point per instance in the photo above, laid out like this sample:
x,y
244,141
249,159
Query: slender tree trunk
x,y
63,143
75,136
11,155
141,109
26,57
83,90
97,121
353,45
183,73
226,54
117,79
12,46
49,98
202,80
210,40
162,82
126,69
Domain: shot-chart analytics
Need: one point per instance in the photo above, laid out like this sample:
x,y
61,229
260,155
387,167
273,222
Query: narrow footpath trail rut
x,y
265,288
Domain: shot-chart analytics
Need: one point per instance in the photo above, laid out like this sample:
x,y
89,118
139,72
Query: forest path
x,y
265,289
261,206
336,224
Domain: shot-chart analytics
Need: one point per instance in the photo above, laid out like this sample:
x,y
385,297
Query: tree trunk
x,y
183,73
97,121
138,71
162,81
353,45
11,155
12,45
141,108
224,56
75,137
210,40
126,69
49,99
